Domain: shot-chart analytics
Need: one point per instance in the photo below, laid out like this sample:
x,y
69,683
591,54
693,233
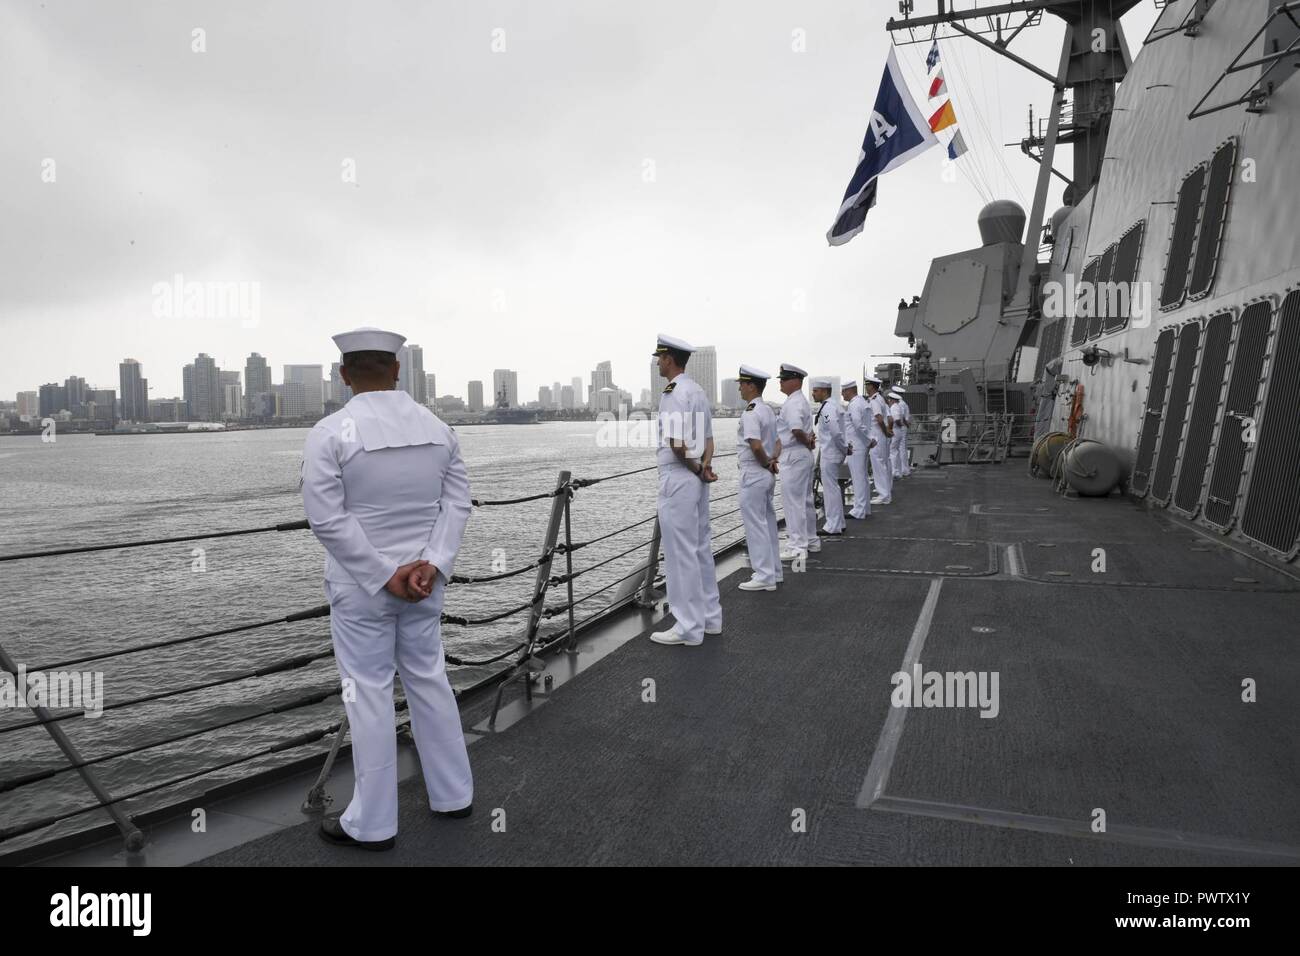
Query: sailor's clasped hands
x,y
412,582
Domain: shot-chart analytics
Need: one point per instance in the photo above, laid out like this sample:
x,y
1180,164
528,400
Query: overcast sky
x,y
539,184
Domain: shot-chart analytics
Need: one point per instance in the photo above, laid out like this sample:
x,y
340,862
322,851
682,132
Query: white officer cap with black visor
x,y
666,342
789,371
748,373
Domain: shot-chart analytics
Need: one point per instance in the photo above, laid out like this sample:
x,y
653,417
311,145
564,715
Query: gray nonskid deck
x,y
1120,698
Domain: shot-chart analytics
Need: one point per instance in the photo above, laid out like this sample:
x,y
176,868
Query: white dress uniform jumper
x,y
683,506
898,444
830,437
796,471
857,431
757,485
880,470
384,485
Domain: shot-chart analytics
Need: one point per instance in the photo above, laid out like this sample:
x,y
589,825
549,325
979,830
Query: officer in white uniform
x,y
386,493
881,432
830,436
901,416
757,452
685,457
857,430
794,429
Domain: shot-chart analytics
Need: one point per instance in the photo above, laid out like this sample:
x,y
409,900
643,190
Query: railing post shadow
x,y
646,593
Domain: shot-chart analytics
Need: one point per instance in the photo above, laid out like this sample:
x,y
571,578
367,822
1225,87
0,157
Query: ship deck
x,y
1118,690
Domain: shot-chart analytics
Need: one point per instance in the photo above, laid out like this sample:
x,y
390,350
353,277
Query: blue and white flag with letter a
x,y
897,132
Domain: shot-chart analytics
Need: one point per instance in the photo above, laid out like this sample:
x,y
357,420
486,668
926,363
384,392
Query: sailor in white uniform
x,y
794,429
857,430
685,457
386,493
881,433
900,414
757,452
830,436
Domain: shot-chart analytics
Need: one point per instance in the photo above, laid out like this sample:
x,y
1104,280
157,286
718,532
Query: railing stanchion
x,y
525,666
131,834
568,568
317,799
646,593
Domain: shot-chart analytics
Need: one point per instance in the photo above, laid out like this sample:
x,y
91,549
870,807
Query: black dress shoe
x,y
830,534
455,814
332,830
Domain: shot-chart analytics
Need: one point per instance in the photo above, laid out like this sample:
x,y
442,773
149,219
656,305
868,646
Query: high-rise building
x,y
645,396
232,396
53,399
474,392
507,381
731,393
567,399
703,368
544,396
74,392
134,390
430,389
578,400
100,406
311,378
657,383
257,381
602,376
205,390
410,373
291,399
29,404
340,391
168,410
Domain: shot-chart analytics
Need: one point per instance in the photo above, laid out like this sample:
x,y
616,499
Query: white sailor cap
x,y
369,340
821,381
848,383
872,380
748,373
792,371
898,390
666,342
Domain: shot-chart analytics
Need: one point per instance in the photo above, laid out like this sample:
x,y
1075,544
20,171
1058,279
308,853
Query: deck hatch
x,y
1271,515
1206,409
1154,413
1182,238
1180,390
1218,191
1243,391
1127,258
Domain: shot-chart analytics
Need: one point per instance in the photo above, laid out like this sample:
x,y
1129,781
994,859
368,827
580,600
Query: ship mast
x,y
1094,57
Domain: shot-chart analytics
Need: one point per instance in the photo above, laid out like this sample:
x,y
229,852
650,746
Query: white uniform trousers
x,y
832,498
759,516
880,473
861,484
373,636
797,500
898,450
691,577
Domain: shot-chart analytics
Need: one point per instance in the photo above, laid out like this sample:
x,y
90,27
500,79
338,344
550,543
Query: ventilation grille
x,y
919,403
1243,389
1217,192
951,403
1180,390
1016,403
1186,215
1079,331
1100,300
1125,271
1154,412
1206,409
1271,515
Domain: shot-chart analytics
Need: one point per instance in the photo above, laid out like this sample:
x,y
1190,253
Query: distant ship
x,y
503,414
